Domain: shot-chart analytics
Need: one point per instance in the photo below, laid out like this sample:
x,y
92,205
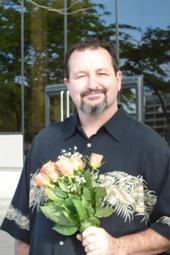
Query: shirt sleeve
x,y
161,214
17,219
158,177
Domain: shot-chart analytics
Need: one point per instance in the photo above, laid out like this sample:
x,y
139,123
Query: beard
x,y
95,109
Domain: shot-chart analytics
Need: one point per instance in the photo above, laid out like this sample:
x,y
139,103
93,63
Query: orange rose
x,y
77,162
50,170
65,166
95,160
41,180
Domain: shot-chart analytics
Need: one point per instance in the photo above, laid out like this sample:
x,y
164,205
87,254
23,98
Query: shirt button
x,y
61,243
89,145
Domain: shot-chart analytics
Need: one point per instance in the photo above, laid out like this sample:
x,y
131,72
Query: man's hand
x,y
21,248
97,241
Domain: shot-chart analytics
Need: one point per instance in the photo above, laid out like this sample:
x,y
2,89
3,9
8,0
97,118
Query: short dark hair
x,y
91,44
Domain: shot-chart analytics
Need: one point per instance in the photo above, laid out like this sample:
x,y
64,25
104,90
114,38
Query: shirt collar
x,y
118,124
70,126
115,126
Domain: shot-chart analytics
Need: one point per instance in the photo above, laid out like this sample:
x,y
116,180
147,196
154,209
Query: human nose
x,y
91,82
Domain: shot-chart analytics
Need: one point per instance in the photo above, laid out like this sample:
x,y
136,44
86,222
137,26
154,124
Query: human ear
x,y
66,82
119,79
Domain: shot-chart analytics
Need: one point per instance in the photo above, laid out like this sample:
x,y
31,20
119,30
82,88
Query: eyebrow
x,y
102,69
79,72
83,71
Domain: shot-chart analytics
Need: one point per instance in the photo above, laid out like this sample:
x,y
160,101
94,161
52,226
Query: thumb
x,y
79,237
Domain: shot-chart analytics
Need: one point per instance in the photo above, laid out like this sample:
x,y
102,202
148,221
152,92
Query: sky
x,y
140,13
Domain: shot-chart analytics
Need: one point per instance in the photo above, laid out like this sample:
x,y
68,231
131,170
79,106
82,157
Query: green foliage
x,y
71,212
67,231
44,54
149,57
103,212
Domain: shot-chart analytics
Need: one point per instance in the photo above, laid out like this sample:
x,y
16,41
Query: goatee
x,y
96,109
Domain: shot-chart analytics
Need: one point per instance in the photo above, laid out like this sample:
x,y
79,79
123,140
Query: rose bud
x,y
65,166
50,170
95,160
41,180
77,162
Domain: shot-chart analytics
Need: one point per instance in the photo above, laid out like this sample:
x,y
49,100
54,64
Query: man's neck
x,y
91,124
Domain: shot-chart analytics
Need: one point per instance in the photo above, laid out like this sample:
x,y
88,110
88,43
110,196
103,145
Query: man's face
x,y
93,84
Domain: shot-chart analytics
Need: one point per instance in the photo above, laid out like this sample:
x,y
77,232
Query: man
x,y
136,172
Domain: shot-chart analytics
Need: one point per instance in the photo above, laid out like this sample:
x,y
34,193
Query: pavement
x,y
8,182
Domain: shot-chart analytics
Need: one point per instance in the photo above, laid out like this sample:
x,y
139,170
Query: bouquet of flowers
x,y
73,197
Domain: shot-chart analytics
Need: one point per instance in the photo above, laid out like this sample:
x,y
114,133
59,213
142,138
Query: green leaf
x,y
80,209
68,219
53,198
73,196
71,210
60,193
58,202
69,205
84,225
100,193
104,212
89,208
63,186
50,212
87,194
87,176
51,194
93,221
58,215
66,231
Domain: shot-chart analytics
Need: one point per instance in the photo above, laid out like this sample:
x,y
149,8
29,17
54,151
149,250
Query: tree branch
x,y
60,11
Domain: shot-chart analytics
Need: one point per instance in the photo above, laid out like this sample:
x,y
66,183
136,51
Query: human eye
x,y
103,74
79,76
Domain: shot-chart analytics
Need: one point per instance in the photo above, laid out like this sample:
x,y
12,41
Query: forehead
x,y
90,57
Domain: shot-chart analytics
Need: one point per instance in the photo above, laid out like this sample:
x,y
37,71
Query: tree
x,y
47,48
44,53
150,57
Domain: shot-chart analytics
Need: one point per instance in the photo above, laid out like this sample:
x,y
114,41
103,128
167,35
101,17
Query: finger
x,y
79,237
89,231
90,248
93,253
90,239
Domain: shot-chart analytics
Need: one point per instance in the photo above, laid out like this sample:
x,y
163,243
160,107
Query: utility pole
x,y
117,29
65,27
22,74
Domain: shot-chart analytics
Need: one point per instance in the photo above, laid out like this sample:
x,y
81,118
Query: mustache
x,y
88,92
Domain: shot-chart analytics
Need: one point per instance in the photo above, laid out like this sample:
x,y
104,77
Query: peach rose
x,y
77,162
41,180
65,166
95,160
50,170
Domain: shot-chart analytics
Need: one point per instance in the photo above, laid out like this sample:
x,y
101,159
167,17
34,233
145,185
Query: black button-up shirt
x,y
136,172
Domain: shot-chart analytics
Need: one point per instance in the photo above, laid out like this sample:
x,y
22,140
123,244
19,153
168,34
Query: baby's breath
x,y
80,179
